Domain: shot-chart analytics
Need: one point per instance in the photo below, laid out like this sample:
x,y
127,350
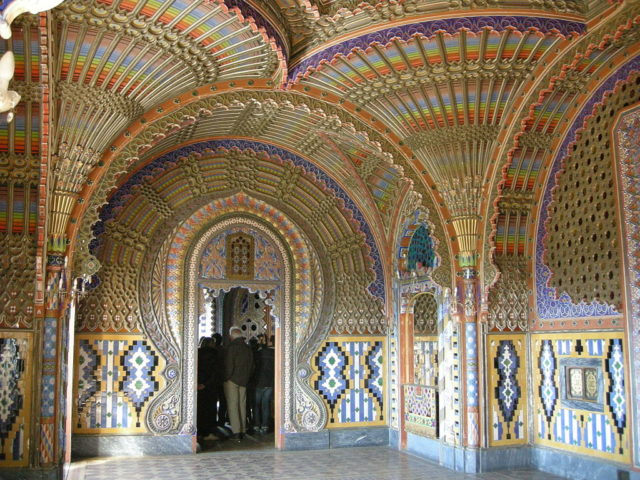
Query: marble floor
x,y
257,459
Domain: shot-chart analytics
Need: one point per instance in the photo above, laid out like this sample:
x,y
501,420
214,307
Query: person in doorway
x,y
238,367
264,384
206,388
251,388
220,402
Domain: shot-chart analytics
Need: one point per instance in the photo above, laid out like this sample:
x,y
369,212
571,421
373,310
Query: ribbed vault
x,y
116,59
447,96
166,189
354,154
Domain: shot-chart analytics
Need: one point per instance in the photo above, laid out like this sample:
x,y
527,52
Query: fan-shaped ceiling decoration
x,y
447,97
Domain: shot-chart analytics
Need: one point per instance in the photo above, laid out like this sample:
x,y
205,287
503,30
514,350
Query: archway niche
x,y
192,260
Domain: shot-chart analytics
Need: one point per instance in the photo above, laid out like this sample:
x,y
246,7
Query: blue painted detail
x,y
508,391
566,428
139,384
599,434
375,361
47,390
595,347
472,364
548,389
332,383
616,398
564,347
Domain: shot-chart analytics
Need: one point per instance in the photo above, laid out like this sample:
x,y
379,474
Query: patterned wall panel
x,y
15,397
116,377
17,261
421,410
49,370
580,393
350,376
507,390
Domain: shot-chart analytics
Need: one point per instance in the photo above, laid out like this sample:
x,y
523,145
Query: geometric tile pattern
x,y
15,398
616,398
350,378
49,367
421,410
47,434
548,388
139,362
507,389
578,425
117,375
332,383
362,463
48,389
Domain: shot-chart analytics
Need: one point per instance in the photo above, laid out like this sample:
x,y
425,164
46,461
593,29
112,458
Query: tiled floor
x,y
252,460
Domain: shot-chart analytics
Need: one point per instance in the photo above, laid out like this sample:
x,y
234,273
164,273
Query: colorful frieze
x,y
581,393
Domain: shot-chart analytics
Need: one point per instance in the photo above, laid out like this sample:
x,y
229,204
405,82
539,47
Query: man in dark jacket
x,y
238,367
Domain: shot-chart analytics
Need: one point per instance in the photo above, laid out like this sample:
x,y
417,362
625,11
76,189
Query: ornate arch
x,y
550,305
176,282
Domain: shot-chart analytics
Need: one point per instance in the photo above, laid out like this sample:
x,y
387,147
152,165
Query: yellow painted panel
x,y
350,375
581,427
507,390
102,403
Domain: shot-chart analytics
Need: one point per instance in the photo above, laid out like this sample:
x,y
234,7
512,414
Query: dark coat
x,y
265,367
238,362
207,367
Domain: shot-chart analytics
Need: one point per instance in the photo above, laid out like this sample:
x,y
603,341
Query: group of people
x,y
235,384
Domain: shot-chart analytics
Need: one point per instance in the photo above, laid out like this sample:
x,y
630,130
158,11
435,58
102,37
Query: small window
x,y
582,384
240,256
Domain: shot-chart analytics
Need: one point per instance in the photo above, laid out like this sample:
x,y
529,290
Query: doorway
x,y
420,389
250,311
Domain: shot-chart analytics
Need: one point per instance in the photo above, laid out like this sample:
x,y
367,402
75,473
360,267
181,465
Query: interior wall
x,y
107,402
581,316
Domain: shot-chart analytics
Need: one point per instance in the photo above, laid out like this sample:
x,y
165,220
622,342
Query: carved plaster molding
x,y
452,136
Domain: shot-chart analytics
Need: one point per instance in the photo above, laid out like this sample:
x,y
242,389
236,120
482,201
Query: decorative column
x,y
470,353
50,377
